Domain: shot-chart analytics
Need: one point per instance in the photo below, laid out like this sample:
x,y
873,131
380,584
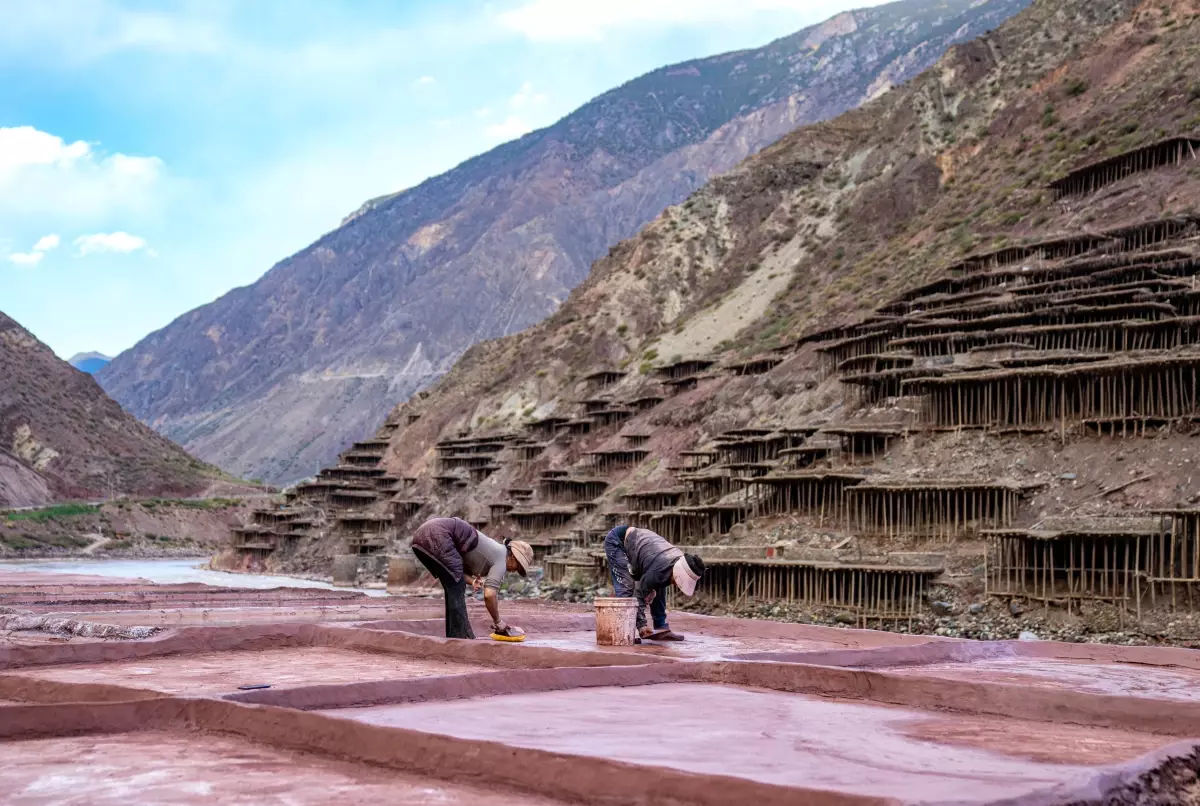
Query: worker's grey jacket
x,y
651,560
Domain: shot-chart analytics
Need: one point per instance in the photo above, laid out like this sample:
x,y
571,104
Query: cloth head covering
x,y
523,552
684,574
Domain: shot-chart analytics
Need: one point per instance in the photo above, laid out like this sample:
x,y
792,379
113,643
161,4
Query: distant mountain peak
x,y
91,363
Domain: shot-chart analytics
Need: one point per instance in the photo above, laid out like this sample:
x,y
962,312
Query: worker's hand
x,y
500,627
650,596
476,584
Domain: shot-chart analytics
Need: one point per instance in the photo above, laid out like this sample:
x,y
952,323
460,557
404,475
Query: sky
x,y
155,155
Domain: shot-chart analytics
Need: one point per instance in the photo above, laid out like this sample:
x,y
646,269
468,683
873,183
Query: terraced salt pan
x,y
192,768
787,739
222,672
1127,679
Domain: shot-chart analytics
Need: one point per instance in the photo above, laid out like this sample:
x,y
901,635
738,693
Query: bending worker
x,y
643,564
455,552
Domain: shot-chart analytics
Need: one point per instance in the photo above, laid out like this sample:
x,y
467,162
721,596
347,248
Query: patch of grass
x,y
1076,87
19,541
50,513
117,545
65,541
191,503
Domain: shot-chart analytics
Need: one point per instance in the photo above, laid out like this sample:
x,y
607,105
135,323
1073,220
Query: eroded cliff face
x,y
273,379
62,437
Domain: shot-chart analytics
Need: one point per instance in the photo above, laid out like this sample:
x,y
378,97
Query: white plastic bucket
x,y
616,621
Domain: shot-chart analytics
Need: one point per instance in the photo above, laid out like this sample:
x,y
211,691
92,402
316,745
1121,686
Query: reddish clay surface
x,y
788,739
1163,683
223,672
183,768
199,616
695,646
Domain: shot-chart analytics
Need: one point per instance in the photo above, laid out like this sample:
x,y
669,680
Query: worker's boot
x,y
663,634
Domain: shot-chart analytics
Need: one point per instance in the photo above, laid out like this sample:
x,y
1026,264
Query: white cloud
x,y
35,255
25,146
425,81
68,31
26,258
46,243
555,20
527,97
45,178
119,242
527,101
510,128
483,112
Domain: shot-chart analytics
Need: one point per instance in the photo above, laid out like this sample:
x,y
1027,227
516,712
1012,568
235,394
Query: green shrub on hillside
x,y
49,513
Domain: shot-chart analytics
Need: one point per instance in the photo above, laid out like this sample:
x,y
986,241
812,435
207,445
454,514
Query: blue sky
x,y
154,155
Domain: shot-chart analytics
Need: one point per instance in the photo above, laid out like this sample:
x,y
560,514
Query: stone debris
x,y
81,629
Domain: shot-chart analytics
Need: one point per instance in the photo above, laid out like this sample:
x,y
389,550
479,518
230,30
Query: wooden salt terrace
x,y
576,428
603,379
754,366
819,494
698,460
498,510
361,458
541,519
530,452
547,427
406,508
872,592
1148,386
943,509
1094,176
351,473
608,418
805,456
645,403
651,500
865,441
614,461
377,447
685,369
571,490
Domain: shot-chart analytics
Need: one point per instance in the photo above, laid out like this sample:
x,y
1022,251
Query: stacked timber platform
x,y
270,529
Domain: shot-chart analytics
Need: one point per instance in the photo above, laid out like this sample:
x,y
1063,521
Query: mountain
x,y
273,379
62,437
91,363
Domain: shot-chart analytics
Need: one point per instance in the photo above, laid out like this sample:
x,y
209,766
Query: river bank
x,y
168,571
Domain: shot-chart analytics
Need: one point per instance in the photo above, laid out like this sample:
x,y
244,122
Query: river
x,y
170,571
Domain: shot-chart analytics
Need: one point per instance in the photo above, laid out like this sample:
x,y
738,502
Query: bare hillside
x,y
62,437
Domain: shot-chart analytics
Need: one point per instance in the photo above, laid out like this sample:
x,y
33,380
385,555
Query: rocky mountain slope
x,y
62,437
932,364
273,379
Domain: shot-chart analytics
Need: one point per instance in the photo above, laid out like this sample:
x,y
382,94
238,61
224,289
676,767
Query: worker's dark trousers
x,y
622,581
458,624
